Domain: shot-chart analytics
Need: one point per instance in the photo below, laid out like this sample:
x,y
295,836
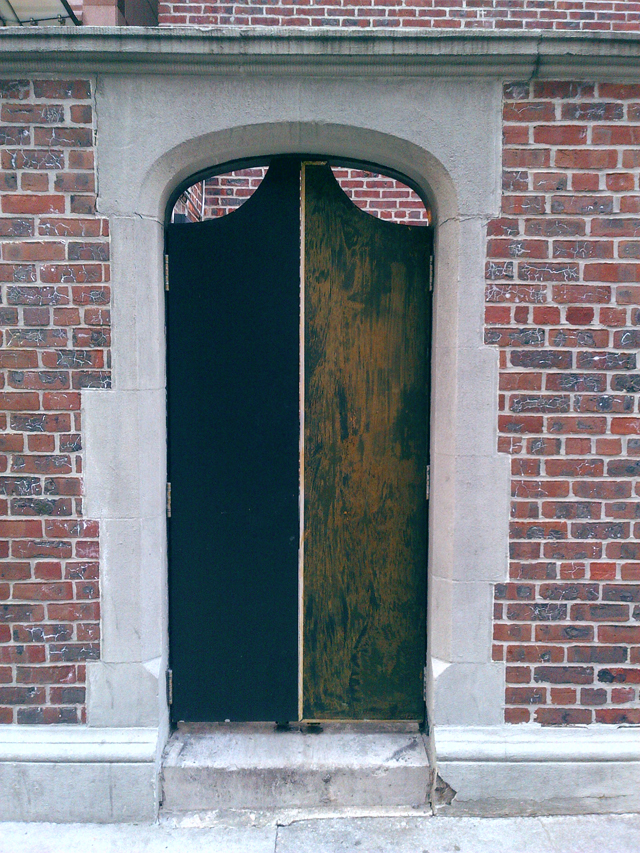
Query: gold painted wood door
x,y
363,571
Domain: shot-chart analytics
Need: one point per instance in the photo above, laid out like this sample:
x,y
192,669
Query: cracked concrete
x,y
308,832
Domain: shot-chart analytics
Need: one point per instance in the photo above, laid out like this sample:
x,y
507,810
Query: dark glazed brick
x,y
541,359
621,592
564,674
606,360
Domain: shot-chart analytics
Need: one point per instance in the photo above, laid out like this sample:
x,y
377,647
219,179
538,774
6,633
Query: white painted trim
x,y
78,744
534,743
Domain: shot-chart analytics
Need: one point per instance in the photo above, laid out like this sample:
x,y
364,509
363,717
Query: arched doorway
x,y
298,370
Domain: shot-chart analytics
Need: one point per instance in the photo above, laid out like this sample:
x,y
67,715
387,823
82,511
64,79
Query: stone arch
x,y
464,460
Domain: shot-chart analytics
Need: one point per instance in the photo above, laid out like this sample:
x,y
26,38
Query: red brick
x,y
68,227
516,715
60,400
572,550
628,296
22,654
580,316
549,271
614,272
46,674
615,135
48,570
597,654
583,205
27,549
53,273
585,182
565,89
21,612
33,204
549,181
525,695
22,695
625,426
86,611
618,716
62,89
578,249
563,695
551,227
564,674
63,137
584,158
81,114
71,529
43,591
517,248
623,694
42,464
561,135
35,182
528,111
81,159
630,204
563,716
87,550
619,634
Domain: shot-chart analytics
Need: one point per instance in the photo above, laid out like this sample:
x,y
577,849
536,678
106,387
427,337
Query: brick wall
x,y
55,333
616,15
563,297
190,206
563,307
376,194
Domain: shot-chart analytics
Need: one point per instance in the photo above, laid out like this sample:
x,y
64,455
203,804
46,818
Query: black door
x,y
233,353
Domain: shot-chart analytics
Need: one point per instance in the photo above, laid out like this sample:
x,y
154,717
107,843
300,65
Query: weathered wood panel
x,y
366,287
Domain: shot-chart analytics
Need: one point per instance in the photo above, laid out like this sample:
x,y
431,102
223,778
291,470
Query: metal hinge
x,y
168,500
170,686
430,272
428,479
166,272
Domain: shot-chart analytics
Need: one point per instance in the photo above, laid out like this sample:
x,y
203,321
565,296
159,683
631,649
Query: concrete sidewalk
x,y
251,832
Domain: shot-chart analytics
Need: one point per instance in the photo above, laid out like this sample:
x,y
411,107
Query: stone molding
x,y
532,742
78,744
327,51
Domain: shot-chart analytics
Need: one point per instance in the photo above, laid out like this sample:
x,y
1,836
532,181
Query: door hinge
x,y
430,272
170,686
166,272
168,500
428,482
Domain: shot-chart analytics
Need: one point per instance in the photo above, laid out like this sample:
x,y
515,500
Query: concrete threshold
x,y
331,767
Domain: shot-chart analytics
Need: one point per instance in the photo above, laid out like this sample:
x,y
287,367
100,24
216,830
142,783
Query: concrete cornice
x,y
321,51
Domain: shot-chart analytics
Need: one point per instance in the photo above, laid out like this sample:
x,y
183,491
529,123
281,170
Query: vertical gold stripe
x,y
301,458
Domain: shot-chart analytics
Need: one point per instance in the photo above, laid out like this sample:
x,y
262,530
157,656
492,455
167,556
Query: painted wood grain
x,y
365,454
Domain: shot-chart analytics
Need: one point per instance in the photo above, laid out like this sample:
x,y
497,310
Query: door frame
x,y
125,439
306,158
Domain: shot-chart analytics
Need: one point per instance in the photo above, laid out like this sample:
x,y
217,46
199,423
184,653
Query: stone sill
x,y
78,744
534,743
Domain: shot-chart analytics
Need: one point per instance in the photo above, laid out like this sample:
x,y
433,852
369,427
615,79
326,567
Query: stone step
x,y
254,767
